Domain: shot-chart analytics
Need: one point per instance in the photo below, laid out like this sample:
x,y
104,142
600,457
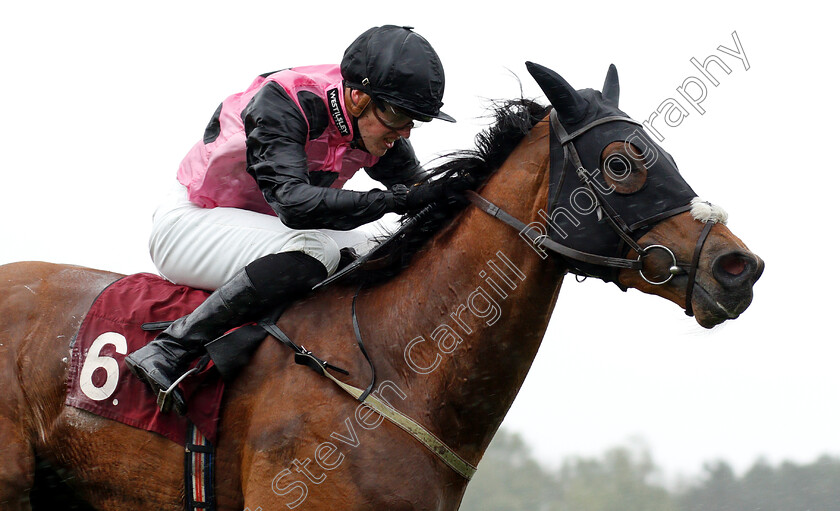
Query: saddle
x,y
129,314
125,317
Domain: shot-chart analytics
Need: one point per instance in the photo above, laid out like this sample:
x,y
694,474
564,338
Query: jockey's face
x,y
377,136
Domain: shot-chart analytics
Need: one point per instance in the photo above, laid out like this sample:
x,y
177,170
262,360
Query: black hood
x,y
663,193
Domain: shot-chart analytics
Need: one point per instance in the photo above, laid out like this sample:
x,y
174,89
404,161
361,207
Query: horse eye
x,y
618,166
623,168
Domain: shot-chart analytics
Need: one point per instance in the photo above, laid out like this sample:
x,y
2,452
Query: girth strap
x,y
199,468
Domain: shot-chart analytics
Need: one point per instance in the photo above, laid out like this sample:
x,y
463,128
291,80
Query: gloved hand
x,y
346,256
446,190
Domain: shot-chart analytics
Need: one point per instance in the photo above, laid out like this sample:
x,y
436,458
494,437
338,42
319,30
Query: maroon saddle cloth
x,y
99,381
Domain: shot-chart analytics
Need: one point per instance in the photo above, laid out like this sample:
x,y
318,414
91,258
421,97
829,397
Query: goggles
x,y
395,118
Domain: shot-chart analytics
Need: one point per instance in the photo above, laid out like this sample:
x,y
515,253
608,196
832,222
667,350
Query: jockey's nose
x,y
736,268
404,132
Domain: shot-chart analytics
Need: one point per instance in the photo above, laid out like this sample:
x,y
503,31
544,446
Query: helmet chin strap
x,y
356,109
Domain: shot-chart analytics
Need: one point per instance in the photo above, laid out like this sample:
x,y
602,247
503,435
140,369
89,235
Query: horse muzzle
x,y
726,290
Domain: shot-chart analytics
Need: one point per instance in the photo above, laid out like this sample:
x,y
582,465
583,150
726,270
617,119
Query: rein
x,y
543,241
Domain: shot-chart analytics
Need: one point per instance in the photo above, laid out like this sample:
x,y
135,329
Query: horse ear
x,y
611,89
570,106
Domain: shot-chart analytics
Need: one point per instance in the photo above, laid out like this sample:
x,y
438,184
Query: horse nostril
x,y
734,268
732,264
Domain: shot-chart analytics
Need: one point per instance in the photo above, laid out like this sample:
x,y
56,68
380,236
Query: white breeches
x,y
204,248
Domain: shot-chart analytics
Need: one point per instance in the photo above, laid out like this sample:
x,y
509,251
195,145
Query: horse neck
x,y
472,309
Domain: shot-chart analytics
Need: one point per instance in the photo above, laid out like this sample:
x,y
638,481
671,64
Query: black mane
x,y
513,120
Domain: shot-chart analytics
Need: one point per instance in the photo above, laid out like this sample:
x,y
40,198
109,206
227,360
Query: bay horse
x,y
452,335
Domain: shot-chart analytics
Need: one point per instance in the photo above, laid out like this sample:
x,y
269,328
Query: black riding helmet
x,y
394,64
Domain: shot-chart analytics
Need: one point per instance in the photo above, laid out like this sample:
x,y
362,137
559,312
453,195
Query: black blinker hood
x,y
573,219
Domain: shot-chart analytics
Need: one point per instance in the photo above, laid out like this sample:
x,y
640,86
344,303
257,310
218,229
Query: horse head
x,y
619,202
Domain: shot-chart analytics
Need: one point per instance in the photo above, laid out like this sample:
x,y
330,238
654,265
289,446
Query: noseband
x,y
614,220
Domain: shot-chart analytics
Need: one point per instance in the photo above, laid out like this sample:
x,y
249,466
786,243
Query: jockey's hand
x,y
442,190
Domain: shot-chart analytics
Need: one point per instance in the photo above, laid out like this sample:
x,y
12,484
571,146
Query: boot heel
x,y
132,368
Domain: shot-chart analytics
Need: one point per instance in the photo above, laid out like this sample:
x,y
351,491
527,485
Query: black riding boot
x,y
266,284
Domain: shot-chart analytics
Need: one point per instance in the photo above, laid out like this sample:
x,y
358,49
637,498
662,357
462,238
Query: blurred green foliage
x,y
626,478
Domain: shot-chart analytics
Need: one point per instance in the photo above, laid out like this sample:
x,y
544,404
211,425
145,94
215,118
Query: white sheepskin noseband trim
x,y
707,212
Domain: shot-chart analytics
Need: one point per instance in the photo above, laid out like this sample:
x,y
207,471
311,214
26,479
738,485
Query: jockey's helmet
x,y
397,66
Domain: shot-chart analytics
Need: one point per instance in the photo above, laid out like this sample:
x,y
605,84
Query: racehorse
x,y
451,335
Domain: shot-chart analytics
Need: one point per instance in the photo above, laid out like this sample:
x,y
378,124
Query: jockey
x,y
284,148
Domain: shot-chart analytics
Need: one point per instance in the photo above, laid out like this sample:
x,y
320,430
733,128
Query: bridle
x,y
542,240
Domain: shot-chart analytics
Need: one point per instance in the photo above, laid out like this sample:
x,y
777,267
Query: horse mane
x,y
513,120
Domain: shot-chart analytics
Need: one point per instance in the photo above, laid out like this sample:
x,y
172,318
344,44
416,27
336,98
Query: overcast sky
x,y
101,102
